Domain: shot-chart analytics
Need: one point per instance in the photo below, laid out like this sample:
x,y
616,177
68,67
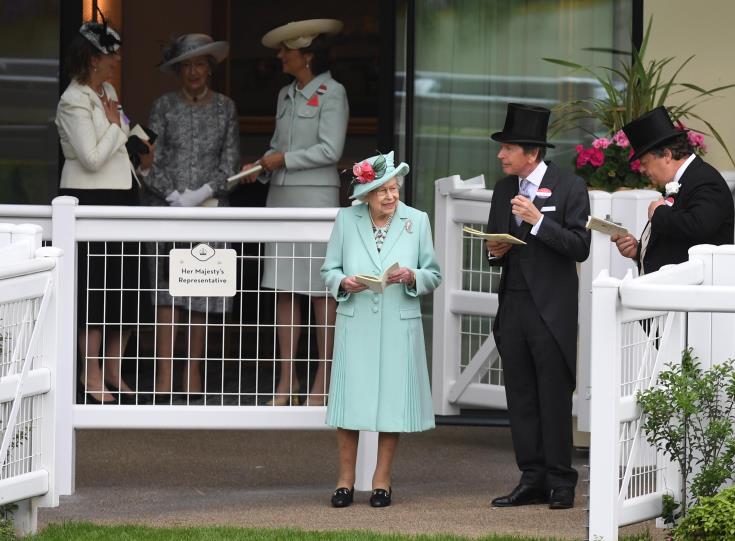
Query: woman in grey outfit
x,y
198,147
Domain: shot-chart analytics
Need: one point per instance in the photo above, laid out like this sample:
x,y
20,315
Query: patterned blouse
x,y
381,232
196,144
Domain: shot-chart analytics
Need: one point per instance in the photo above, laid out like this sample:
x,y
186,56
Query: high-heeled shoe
x,y
284,400
381,497
316,400
84,397
343,497
123,397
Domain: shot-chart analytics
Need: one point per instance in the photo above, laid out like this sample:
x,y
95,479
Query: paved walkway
x,y
443,482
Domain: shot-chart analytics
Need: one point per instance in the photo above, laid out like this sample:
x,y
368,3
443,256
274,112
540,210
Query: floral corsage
x,y
363,172
672,188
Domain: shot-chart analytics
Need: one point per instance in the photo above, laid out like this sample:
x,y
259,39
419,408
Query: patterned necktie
x,y
525,191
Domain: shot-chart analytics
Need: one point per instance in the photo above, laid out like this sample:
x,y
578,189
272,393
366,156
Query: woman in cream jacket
x,y
93,131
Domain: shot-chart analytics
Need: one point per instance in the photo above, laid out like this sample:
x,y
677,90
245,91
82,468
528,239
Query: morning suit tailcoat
x,y
701,213
380,380
548,261
535,328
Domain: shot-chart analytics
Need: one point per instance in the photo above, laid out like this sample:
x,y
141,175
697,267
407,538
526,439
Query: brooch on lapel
x,y
409,226
543,193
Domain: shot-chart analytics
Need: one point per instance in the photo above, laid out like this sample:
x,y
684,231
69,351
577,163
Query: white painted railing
x,y
31,444
69,225
466,368
638,326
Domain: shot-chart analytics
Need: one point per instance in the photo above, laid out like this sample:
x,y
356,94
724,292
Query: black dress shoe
x,y
562,498
522,495
343,497
381,497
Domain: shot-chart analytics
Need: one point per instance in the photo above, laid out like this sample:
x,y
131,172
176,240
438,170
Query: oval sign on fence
x,y
202,272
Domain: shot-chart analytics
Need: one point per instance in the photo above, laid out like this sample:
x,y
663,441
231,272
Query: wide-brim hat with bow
x,y
372,173
524,125
190,46
300,34
650,130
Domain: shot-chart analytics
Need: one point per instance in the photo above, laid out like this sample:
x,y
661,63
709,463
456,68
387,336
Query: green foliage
x,y
637,86
7,530
712,519
688,416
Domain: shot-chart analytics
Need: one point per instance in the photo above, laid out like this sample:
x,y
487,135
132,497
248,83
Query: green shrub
x,y
712,519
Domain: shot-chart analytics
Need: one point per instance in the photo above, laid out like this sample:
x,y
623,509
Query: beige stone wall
x,y
705,29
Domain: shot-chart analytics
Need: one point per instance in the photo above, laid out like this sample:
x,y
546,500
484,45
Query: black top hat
x,y
650,130
525,124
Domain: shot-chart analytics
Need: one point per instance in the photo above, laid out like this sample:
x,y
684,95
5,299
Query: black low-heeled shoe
x,y
343,497
381,497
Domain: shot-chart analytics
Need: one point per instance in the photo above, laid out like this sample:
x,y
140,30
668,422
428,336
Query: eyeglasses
x,y
393,190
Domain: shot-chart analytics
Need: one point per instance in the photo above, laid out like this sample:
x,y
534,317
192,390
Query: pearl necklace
x,y
197,97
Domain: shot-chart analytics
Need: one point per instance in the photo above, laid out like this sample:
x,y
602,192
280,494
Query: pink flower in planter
x,y
621,139
635,166
696,139
597,157
601,143
583,157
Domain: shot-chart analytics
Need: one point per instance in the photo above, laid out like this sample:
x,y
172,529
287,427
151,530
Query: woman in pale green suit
x,y
301,167
380,380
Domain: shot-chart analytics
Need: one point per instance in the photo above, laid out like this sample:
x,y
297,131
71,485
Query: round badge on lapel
x,y
543,193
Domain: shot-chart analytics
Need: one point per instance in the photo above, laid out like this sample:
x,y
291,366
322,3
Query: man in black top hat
x,y
697,207
535,328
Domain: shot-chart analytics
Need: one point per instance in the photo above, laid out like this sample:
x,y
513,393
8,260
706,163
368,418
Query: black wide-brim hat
x,y
650,130
525,125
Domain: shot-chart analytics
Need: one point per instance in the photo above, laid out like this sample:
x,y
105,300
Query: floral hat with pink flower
x,y
375,171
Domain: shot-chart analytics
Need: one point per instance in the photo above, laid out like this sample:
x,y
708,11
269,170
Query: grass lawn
x,y
93,532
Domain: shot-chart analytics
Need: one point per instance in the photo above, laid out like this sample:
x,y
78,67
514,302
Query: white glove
x,y
173,197
191,198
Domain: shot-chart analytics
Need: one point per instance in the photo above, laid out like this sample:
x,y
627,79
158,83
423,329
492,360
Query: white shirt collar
x,y
683,167
537,175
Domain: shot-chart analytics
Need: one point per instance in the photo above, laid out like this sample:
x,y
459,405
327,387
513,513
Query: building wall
x,y
682,28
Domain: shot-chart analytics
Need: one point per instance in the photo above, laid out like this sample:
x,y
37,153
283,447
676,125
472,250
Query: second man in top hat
x,y
535,328
697,207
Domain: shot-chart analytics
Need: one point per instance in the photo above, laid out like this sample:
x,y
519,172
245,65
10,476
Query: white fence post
x,y
53,408
367,458
63,219
599,259
446,325
604,462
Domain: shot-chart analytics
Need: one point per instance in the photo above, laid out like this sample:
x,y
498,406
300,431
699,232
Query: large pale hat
x,y
379,171
300,34
190,46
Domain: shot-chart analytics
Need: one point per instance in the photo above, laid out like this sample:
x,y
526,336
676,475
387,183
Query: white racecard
x,y
202,272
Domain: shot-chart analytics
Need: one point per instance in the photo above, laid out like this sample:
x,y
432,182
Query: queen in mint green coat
x,y
380,380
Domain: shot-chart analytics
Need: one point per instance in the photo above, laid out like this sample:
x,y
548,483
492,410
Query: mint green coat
x,y
380,381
